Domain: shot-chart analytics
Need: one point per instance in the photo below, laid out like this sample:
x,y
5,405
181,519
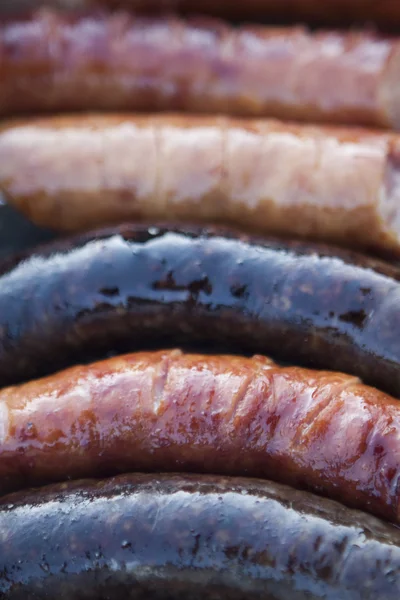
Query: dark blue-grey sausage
x,y
186,537
128,288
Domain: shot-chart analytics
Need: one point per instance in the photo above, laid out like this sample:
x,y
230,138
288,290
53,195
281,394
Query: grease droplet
x,y
125,545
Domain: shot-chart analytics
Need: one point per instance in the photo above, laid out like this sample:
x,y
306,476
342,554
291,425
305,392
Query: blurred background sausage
x,y
118,61
338,185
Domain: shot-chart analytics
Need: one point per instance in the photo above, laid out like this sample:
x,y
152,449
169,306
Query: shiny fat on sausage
x,y
131,287
52,61
79,172
171,537
168,411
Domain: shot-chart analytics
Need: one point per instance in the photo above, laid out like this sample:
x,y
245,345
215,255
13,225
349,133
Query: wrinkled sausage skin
x,y
171,537
168,411
131,287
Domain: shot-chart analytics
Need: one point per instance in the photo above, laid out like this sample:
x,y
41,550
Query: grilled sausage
x,y
167,411
110,61
170,537
132,286
77,173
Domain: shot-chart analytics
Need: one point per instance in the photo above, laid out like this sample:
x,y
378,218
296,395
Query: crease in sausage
x,y
170,411
58,62
75,173
172,537
134,286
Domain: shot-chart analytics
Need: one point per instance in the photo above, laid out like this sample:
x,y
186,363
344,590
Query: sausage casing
x,y
80,172
116,61
127,287
168,411
171,537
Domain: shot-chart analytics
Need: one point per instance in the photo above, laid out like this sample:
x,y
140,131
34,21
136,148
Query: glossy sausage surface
x,y
117,61
172,537
125,288
79,172
168,411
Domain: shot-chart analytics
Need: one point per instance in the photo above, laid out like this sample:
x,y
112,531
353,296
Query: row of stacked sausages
x,y
331,184
321,432
228,475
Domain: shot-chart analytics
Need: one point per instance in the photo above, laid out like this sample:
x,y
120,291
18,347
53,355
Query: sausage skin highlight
x,y
168,411
175,537
75,173
52,61
131,287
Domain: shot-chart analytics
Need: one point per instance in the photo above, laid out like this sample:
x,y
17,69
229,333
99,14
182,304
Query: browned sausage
x,y
169,411
79,172
384,12
53,62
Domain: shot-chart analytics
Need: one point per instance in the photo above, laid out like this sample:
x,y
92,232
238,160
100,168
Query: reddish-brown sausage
x,y
53,62
216,414
78,172
384,12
